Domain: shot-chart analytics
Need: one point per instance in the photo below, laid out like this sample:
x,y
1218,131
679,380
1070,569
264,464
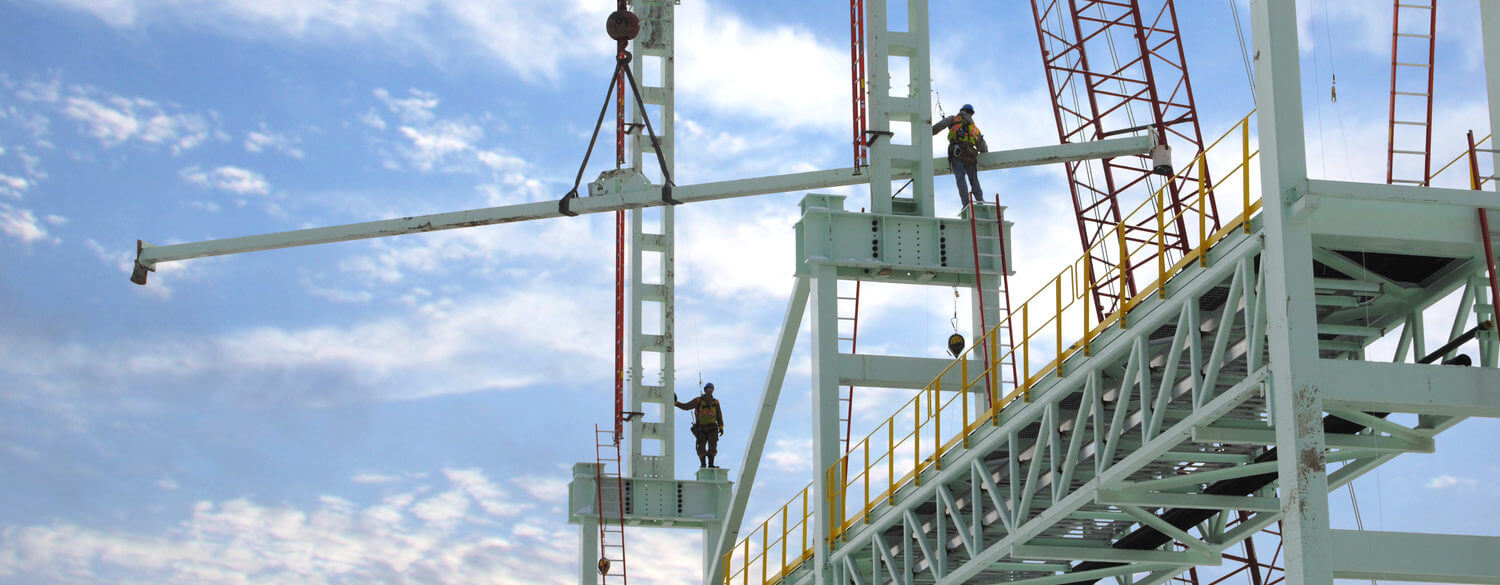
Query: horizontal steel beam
x,y
147,255
1423,558
885,371
1421,389
1267,437
1377,192
1043,552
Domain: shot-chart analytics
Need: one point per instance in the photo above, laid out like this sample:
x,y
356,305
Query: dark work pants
x,y
962,171
708,440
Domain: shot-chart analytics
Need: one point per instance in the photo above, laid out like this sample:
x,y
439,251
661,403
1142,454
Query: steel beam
x,y
770,394
886,371
1292,322
1421,389
149,255
1423,558
1489,22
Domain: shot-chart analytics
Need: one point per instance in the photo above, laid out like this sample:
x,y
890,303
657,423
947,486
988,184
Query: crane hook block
x,y
955,344
622,25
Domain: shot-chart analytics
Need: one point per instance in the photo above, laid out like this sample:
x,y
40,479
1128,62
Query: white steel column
x,y
1292,322
912,111
770,395
825,407
653,69
1489,19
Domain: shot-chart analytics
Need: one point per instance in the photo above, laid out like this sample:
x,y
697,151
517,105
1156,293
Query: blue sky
x,y
407,410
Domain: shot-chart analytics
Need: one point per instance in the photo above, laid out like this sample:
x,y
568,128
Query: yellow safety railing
x,y
780,544
930,424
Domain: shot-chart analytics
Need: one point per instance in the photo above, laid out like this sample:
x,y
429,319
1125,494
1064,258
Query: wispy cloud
x,y
267,140
115,120
1445,481
463,528
228,179
791,455
426,142
21,224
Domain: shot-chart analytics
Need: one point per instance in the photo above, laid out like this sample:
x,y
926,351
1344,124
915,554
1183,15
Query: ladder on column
x,y
610,496
848,315
1409,148
990,246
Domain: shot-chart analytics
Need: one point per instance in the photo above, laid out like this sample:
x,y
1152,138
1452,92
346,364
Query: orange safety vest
x,y
707,411
963,131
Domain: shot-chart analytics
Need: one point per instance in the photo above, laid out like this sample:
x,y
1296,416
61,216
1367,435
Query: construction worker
x,y
965,142
708,424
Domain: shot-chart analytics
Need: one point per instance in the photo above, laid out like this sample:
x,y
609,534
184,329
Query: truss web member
x,y
708,424
965,142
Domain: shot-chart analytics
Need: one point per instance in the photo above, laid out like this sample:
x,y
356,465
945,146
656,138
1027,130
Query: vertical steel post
x,y
1297,410
825,410
654,44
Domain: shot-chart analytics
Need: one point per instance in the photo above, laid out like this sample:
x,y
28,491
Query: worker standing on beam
x,y
708,424
965,142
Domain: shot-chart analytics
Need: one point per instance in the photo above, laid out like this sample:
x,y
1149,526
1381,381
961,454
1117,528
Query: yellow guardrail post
x,y
745,572
916,440
765,541
963,396
1124,307
1203,196
867,480
890,460
806,545
937,429
1025,374
783,537
1161,244
1088,300
1245,137
1058,312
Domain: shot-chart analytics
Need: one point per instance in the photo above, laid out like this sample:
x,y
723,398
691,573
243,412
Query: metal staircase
x,y
1145,448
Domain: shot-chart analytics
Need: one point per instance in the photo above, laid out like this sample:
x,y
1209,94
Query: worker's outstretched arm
x,y
689,405
942,125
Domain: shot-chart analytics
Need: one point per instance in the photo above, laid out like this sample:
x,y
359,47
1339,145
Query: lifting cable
x,y
1244,50
622,26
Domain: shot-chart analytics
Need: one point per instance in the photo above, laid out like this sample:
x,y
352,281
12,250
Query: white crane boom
x,y
148,255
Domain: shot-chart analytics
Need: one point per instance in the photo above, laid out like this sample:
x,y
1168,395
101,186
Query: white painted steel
x,y
812,180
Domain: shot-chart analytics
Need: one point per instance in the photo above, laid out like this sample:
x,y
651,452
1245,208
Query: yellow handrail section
x,y
929,425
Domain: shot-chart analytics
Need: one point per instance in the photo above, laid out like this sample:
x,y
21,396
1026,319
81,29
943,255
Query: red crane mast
x,y
1114,68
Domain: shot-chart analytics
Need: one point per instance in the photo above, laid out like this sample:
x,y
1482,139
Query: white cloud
x,y
115,120
428,142
167,484
728,63
264,139
1446,481
13,187
404,537
370,477
21,224
229,179
791,455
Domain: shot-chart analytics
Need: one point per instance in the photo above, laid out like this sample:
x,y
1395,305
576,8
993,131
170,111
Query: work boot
x,y
701,464
711,462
